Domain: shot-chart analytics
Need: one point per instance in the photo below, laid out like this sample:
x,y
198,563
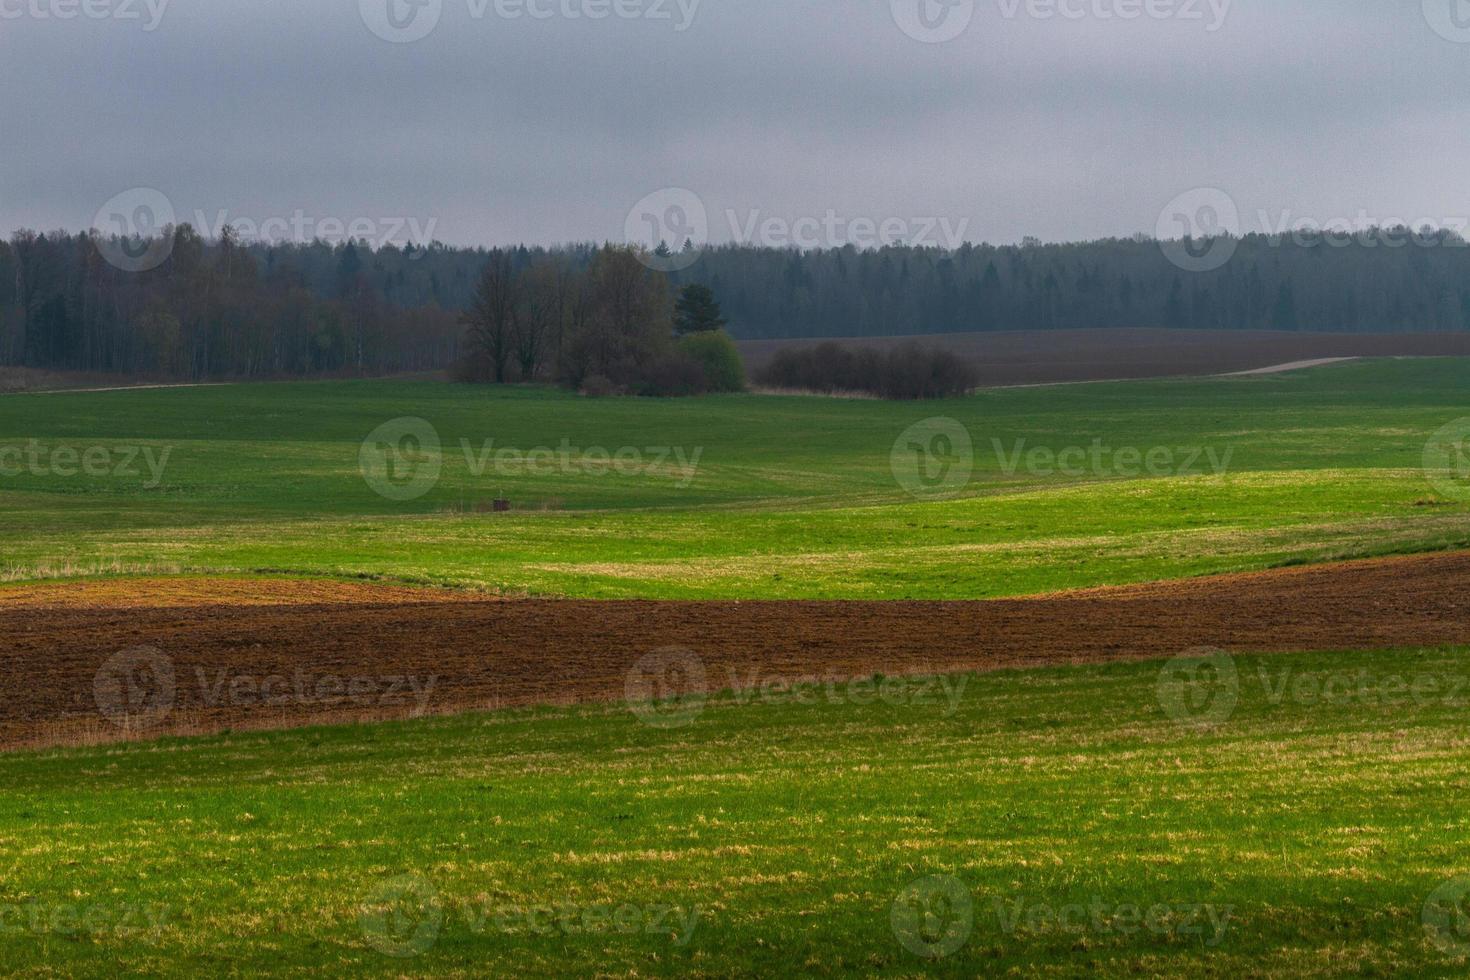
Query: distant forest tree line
x,y
225,308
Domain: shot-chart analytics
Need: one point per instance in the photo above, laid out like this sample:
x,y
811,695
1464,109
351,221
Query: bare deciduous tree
x,y
491,317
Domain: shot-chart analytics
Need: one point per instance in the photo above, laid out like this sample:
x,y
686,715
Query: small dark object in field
x,y
501,505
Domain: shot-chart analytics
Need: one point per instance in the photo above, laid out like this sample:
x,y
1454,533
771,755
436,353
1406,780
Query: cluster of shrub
x,y
907,371
609,328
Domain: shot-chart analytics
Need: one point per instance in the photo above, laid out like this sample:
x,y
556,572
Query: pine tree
x,y
697,311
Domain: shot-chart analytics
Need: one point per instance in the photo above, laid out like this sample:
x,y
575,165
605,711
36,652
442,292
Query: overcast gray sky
x,y
1063,119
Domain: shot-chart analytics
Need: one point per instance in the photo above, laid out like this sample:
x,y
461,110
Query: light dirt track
x,y
1289,366
493,653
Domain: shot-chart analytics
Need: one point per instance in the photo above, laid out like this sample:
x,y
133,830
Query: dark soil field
x,y
280,653
1039,356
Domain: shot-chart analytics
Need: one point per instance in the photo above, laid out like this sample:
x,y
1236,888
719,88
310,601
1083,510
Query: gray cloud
x,y
503,130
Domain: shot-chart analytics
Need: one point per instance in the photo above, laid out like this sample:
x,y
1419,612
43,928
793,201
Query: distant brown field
x,y
1041,356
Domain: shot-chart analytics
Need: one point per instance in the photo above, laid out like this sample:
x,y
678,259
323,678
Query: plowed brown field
x,y
236,653
1012,357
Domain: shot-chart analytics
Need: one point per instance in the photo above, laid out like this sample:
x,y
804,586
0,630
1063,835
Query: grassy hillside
x,y
735,496
1295,815
1088,817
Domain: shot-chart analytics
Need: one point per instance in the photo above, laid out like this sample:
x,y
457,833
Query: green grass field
x,y
1291,815
737,496
1092,826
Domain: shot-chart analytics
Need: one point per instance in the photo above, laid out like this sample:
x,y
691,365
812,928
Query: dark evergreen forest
x,y
215,309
